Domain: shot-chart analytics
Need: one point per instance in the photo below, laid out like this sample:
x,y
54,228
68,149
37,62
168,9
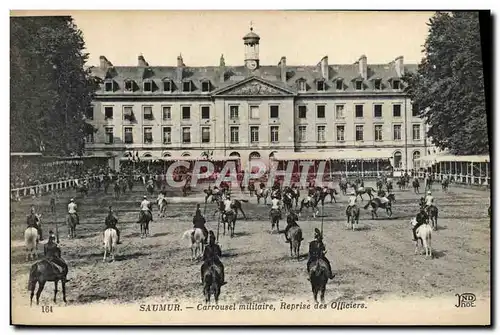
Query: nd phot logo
x,y
466,300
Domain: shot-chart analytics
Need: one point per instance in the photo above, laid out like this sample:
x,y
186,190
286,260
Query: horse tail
x,y
32,278
243,200
368,204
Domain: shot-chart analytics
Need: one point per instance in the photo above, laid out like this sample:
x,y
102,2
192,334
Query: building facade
x,y
255,110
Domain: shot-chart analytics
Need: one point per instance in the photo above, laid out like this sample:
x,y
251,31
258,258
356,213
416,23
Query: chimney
x,y
104,63
222,71
324,68
180,68
282,65
363,67
141,61
400,66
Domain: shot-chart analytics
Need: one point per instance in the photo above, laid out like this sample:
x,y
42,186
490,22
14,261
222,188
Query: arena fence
x,y
36,190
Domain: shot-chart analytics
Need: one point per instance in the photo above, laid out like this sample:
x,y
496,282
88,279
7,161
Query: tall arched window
x,y
254,155
398,160
416,155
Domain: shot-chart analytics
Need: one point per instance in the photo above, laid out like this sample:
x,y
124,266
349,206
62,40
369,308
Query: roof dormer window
x,y
301,85
167,85
205,86
359,85
129,85
187,86
396,85
378,84
148,86
320,85
109,86
339,84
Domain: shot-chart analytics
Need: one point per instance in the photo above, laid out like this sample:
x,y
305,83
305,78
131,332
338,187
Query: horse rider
x,y
429,199
53,253
228,206
72,209
352,201
275,206
383,199
32,220
318,237
291,221
111,222
212,253
199,222
145,207
421,218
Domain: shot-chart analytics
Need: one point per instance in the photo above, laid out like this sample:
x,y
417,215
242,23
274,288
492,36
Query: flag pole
x,y
218,224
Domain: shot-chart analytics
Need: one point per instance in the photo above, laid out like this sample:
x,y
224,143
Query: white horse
x,y
31,243
196,242
162,205
110,240
424,233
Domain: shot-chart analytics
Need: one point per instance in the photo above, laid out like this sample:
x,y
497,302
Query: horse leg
x,y
55,290
315,292
32,289
41,285
323,289
241,209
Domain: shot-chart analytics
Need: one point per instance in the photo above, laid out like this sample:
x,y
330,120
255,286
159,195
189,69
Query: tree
x,y
448,87
51,90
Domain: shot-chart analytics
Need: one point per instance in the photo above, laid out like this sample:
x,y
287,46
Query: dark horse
x,y
212,282
209,193
150,188
42,272
230,220
376,203
318,272
313,203
275,220
83,189
362,190
445,183
353,216
146,218
343,184
380,185
416,185
324,192
236,205
295,237
432,212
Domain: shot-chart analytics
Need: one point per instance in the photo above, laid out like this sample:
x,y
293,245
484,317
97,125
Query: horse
x,y
124,186
71,221
445,183
150,189
162,206
401,183
130,182
236,205
353,216
388,186
424,233
31,242
380,184
209,193
432,213
313,204
275,220
145,219
416,185
362,190
212,282
343,184
262,193
110,239
295,237
83,189
377,202
117,189
324,192
287,201
318,272
229,219
42,272
196,240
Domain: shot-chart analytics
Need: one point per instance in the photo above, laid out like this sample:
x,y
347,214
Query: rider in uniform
x,y
145,207
429,200
72,210
291,221
32,221
212,253
352,201
276,206
53,254
318,237
111,222
199,222
227,206
421,218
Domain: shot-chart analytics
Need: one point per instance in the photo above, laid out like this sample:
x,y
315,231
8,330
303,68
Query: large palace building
x,y
256,110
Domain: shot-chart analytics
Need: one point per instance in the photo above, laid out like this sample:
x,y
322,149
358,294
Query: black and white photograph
x,y
250,167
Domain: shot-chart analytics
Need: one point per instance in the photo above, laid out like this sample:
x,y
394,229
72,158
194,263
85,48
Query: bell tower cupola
x,y
251,42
